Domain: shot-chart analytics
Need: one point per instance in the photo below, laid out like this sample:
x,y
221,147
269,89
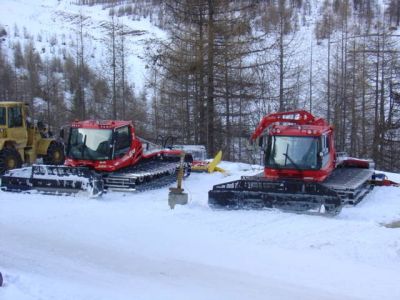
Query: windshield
x,y
292,152
90,144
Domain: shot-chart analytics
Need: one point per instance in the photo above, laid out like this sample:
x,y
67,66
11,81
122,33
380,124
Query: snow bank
x,y
126,246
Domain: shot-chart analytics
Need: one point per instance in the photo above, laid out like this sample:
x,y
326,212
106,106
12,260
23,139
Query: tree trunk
x,y
281,54
376,108
210,81
200,100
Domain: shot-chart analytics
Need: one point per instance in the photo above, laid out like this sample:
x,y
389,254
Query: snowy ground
x,y
132,246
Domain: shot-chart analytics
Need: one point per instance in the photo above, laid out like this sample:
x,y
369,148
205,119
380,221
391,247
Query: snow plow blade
x,y
287,195
53,180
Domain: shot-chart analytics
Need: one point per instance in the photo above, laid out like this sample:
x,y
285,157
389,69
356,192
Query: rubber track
x,y
57,180
52,180
147,175
289,195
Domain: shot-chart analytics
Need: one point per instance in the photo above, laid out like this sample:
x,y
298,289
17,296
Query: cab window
x,y
14,117
122,140
325,149
2,116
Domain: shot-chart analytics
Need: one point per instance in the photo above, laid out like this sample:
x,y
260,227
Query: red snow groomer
x,y
303,172
102,155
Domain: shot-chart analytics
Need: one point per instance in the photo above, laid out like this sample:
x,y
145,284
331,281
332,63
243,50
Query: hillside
x,y
54,27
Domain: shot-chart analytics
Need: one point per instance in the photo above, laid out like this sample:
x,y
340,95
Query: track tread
x,y
147,175
288,195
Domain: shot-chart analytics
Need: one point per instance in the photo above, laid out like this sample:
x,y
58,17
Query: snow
x,y
57,23
132,246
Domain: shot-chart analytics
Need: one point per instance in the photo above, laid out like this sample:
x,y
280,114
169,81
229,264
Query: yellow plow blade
x,y
211,166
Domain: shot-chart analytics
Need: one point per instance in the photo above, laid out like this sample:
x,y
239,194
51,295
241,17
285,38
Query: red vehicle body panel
x,y
132,157
306,175
297,123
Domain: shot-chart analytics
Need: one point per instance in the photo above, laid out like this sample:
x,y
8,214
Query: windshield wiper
x,y
291,160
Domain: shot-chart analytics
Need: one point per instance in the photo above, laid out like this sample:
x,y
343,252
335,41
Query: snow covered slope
x,y
47,21
132,246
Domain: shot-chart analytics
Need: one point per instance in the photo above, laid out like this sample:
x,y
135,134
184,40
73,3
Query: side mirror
x,y
261,141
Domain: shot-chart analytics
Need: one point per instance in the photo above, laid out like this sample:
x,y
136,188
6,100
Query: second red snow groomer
x,y
302,171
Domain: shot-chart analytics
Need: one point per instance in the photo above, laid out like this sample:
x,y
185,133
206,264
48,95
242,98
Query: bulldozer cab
x,y
21,140
13,127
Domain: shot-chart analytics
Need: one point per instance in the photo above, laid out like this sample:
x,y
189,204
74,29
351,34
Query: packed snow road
x,y
132,246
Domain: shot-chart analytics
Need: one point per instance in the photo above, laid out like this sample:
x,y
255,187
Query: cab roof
x,y
299,130
11,103
100,124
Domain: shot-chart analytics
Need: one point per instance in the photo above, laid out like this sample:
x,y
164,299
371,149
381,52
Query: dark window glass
x,y
2,116
292,152
14,117
90,144
325,150
327,142
122,140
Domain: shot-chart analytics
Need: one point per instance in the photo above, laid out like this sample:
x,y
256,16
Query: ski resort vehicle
x,y
198,152
101,155
200,162
22,141
303,172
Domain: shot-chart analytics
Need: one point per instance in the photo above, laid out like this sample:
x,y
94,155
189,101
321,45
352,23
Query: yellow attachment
x,y
211,166
43,145
30,156
176,195
218,169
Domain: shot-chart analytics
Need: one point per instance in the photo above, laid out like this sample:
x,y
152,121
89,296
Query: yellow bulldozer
x,y
23,141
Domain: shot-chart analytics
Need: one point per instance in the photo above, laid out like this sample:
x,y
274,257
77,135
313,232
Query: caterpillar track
x,y
54,180
64,180
146,175
344,186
